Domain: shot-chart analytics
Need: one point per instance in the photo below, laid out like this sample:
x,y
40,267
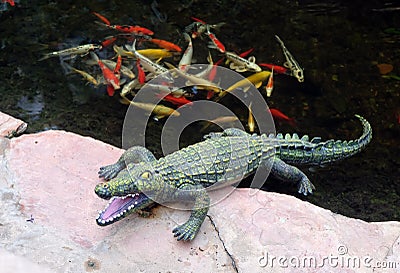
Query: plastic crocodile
x,y
138,178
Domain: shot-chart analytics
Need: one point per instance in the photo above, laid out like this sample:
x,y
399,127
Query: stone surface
x,y
48,211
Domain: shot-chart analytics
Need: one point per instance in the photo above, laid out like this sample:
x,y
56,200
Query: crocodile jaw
x,y
119,207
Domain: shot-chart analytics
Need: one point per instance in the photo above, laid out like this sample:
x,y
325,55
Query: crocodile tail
x,y
334,150
295,150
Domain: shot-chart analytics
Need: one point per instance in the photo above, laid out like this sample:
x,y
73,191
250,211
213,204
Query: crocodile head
x,y
128,192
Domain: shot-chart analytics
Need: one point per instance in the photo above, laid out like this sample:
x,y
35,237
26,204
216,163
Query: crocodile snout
x,y
103,191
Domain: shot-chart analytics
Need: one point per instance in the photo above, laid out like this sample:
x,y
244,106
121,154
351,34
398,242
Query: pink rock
x,y
51,176
8,124
11,263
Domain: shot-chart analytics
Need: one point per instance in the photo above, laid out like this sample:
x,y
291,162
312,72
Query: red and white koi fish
x,y
215,43
126,71
270,85
282,117
111,79
124,28
186,59
198,27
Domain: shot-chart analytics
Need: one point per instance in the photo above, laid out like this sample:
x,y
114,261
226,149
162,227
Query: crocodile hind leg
x,y
286,172
134,155
188,230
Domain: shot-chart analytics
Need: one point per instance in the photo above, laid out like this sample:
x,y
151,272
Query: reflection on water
x,y
31,107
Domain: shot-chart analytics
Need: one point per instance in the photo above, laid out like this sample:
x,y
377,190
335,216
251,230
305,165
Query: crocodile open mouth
x,y
119,207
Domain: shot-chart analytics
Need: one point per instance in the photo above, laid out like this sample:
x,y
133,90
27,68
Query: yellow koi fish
x,y
160,111
220,120
151,53
250,120
256,79
84,74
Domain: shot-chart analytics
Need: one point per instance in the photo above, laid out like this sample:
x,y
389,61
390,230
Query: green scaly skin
x,y
222,159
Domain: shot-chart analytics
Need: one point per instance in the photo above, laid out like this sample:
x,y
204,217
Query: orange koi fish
x,y
141,74
179,101
124,28
102,18
213,73
278,69
281,116
109,76
244,54
270,84
198,20
118,65
11,2
165,44
108,41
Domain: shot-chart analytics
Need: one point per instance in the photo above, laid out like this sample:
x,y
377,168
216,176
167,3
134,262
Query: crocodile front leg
x,y
190,228
286,172
134,155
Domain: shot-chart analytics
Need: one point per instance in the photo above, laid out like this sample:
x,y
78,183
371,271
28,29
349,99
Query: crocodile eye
x,y
145,175
105,186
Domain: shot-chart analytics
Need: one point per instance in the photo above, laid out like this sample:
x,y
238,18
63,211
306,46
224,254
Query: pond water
x,y
341,47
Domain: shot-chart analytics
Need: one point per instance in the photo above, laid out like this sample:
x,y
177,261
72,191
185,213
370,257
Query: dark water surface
x,y
338,44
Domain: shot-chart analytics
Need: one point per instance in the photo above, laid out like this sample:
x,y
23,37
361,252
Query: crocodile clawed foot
x,y
212,135
305,186
185,232
109,172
